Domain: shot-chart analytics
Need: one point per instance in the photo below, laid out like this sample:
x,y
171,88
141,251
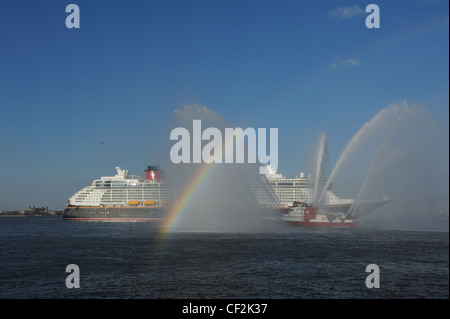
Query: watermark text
x,y
221,149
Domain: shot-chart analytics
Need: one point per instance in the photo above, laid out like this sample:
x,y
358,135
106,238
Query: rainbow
x,y
176,211
179,207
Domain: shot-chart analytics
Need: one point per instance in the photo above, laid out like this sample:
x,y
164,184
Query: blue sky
x,y
304,67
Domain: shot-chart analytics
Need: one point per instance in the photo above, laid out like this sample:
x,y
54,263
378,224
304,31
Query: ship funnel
x,y
153,173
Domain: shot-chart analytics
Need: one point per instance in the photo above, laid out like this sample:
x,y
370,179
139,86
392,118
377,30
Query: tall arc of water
x,y
224,197
353,208
358,138
321,151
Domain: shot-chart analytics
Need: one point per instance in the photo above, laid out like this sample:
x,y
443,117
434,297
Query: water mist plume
x,y
320,167
381,120
226,196
401,155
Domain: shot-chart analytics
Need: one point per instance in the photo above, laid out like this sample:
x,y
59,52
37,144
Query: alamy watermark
x,y
73,19
373,280
220,149
73,279
373,19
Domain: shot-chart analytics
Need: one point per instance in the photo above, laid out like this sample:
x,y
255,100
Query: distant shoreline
x,y
12,216
47,215
31,211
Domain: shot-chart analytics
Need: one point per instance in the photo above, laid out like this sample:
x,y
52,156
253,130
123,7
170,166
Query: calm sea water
x,y
131,260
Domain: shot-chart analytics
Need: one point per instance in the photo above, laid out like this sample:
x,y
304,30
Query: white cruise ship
x,y
124,189
123,196
301,189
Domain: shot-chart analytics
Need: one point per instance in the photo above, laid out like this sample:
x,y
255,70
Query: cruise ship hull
x,y
156,213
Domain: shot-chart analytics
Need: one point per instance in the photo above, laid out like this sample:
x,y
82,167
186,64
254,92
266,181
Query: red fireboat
x,y
307,215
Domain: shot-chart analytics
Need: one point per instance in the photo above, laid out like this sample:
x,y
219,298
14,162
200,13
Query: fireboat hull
x,y
304,215
318,224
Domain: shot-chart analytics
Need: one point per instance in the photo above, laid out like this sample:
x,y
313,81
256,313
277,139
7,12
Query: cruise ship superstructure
x,y
301,189
123,196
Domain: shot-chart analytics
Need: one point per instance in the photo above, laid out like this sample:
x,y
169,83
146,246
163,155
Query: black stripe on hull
x,y
114,213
